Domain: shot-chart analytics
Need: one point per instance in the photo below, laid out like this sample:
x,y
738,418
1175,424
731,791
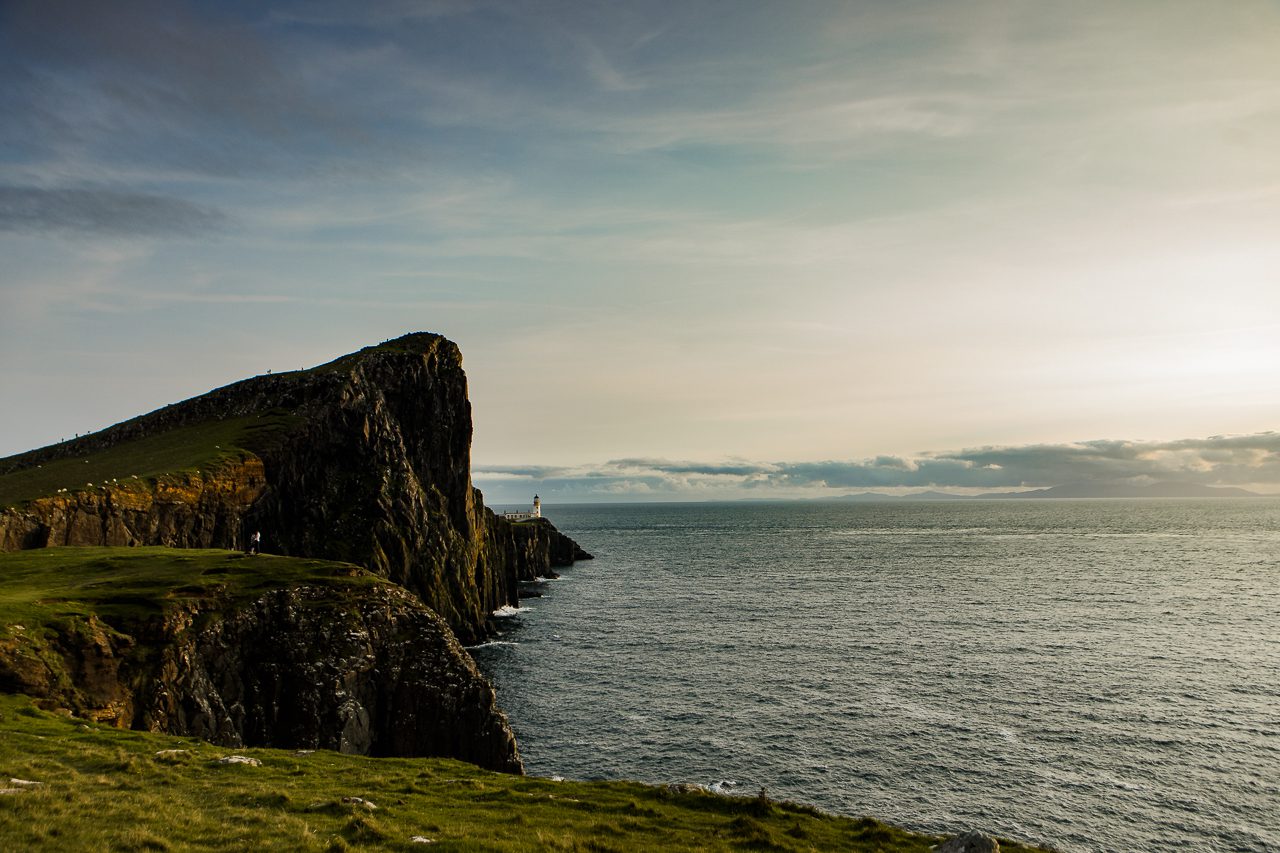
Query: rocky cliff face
x,y
373,468
367,670
191,510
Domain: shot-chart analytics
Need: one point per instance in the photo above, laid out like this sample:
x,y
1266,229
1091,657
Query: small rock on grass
x,y
421,839
238,759
971,842
17,786
357,801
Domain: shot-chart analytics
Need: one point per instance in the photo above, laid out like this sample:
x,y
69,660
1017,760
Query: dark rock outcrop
x,y
379,675
368,461
971,842
367,670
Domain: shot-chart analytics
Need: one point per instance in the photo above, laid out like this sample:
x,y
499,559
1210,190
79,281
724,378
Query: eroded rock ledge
x,y
378,675
366,670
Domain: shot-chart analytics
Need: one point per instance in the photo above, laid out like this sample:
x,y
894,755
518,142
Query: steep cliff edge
x,y
365,459
244,651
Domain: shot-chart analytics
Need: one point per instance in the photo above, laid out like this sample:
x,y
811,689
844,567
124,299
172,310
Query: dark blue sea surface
x,y
1097,675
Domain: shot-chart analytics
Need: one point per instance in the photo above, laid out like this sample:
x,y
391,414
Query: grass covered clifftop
x,y
137,463
80,626
105,789
47,593
263,650
249,416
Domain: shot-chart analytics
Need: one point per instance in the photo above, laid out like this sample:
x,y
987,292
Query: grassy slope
x,y
51,593
200,447
186,449
45,586
106,789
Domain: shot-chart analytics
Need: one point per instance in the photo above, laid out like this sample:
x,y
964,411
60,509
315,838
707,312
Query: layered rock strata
x,y
191,510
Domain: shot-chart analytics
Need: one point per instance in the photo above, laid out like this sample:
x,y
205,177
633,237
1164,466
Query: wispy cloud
x,y
374,14
210,298
99,91
804,116
104,211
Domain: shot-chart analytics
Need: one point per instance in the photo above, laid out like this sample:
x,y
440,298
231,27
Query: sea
x,y
1092,675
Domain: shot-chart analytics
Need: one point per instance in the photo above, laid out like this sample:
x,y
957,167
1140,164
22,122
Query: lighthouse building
x,y
526,516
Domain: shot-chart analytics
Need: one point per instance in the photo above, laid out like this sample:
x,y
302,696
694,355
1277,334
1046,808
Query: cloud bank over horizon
x,y
1249,461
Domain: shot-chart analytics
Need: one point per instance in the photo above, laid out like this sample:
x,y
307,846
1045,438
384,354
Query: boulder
x,y
971,842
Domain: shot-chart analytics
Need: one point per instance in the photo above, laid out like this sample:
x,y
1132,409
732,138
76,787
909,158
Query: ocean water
x,y
1096,675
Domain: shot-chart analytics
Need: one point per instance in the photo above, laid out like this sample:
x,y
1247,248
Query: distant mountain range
x,y
1073,490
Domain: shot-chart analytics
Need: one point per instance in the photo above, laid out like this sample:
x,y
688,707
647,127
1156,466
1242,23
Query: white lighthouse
x,y
526,516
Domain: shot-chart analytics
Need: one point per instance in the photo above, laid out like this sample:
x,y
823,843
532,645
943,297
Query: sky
x,y
690,250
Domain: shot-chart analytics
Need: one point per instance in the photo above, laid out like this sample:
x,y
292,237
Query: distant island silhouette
x,y
1071,490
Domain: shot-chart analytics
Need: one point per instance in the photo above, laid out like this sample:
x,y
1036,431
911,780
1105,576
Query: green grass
x,y
107,789
201,447
45,587
54,597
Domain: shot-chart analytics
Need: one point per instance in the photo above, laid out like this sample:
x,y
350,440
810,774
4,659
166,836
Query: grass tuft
x,y
362,829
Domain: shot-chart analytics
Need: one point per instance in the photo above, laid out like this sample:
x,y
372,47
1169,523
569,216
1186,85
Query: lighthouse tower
x,y
537,507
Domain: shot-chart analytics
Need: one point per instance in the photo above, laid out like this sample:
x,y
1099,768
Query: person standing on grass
x,y
254,542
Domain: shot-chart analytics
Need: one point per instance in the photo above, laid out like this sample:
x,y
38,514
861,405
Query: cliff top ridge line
x,y
285,387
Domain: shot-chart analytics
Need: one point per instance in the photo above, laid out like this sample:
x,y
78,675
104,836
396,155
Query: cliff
x,y
256,651
182,510
365,459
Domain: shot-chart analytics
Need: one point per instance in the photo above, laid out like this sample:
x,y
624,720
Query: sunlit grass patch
x,y
45,585
135,465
